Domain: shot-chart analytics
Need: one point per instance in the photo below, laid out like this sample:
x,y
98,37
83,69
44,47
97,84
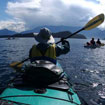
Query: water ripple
x,y
85,67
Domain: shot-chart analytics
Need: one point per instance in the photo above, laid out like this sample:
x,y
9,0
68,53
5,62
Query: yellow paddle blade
x,y
16,64
96,21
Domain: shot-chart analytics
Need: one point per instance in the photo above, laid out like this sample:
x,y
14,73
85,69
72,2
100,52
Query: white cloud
x,y
13,25
55,12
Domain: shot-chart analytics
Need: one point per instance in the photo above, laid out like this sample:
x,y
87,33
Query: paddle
x,y
96,21
18,64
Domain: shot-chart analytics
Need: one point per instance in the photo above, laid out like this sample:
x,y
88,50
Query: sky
x,y
21,15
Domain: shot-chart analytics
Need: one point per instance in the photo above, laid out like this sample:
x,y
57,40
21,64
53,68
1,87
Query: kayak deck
x,y
59,93
51,97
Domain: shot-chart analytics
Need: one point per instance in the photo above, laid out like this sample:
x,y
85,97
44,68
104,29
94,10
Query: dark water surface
x,y
85,67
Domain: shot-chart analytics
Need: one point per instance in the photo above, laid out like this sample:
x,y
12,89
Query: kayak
x,y
91,46
41,83
94,46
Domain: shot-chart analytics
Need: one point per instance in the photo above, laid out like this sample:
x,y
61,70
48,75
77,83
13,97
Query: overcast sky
x,y
20,15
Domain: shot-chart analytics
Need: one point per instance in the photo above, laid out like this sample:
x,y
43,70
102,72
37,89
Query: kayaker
x,y
98,41
92,42
47,47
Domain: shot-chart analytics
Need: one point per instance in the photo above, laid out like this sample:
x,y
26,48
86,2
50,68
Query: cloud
x,y
13,25
33,13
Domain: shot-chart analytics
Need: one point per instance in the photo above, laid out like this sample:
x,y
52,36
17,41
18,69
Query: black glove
x,y
64,41
65,45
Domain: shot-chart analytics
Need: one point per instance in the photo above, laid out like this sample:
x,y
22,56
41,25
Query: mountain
x,y
5,32
96,32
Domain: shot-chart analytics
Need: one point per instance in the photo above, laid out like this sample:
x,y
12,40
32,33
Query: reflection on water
x,y
85,67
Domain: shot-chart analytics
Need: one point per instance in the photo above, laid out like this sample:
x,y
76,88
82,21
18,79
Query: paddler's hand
x,y
66,45
64,41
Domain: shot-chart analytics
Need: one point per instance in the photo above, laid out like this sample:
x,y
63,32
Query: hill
x,y
5,32
67,33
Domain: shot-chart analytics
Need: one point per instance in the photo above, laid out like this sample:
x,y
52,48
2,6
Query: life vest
x,y
50,52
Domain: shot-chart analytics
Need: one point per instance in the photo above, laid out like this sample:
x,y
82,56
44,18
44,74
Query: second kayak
x,y
94,46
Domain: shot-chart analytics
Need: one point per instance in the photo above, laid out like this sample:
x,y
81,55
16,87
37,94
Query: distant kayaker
x,y
98,41
92,42
47,47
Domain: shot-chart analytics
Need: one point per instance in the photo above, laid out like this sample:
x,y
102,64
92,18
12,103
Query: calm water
x,y
85,67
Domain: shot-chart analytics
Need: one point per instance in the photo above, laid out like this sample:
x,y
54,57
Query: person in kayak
x,y
98,41
92,42
46,48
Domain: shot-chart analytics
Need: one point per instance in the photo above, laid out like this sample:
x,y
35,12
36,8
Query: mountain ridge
x,y
7,32
96,33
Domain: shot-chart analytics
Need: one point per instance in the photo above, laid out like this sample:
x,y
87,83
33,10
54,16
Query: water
x,y
85,67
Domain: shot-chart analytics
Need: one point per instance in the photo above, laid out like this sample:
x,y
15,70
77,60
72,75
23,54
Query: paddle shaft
x,y
90,25
22,61
71,34
56,43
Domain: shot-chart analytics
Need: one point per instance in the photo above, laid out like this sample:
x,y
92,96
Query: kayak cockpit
x,y
42,73
62,84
